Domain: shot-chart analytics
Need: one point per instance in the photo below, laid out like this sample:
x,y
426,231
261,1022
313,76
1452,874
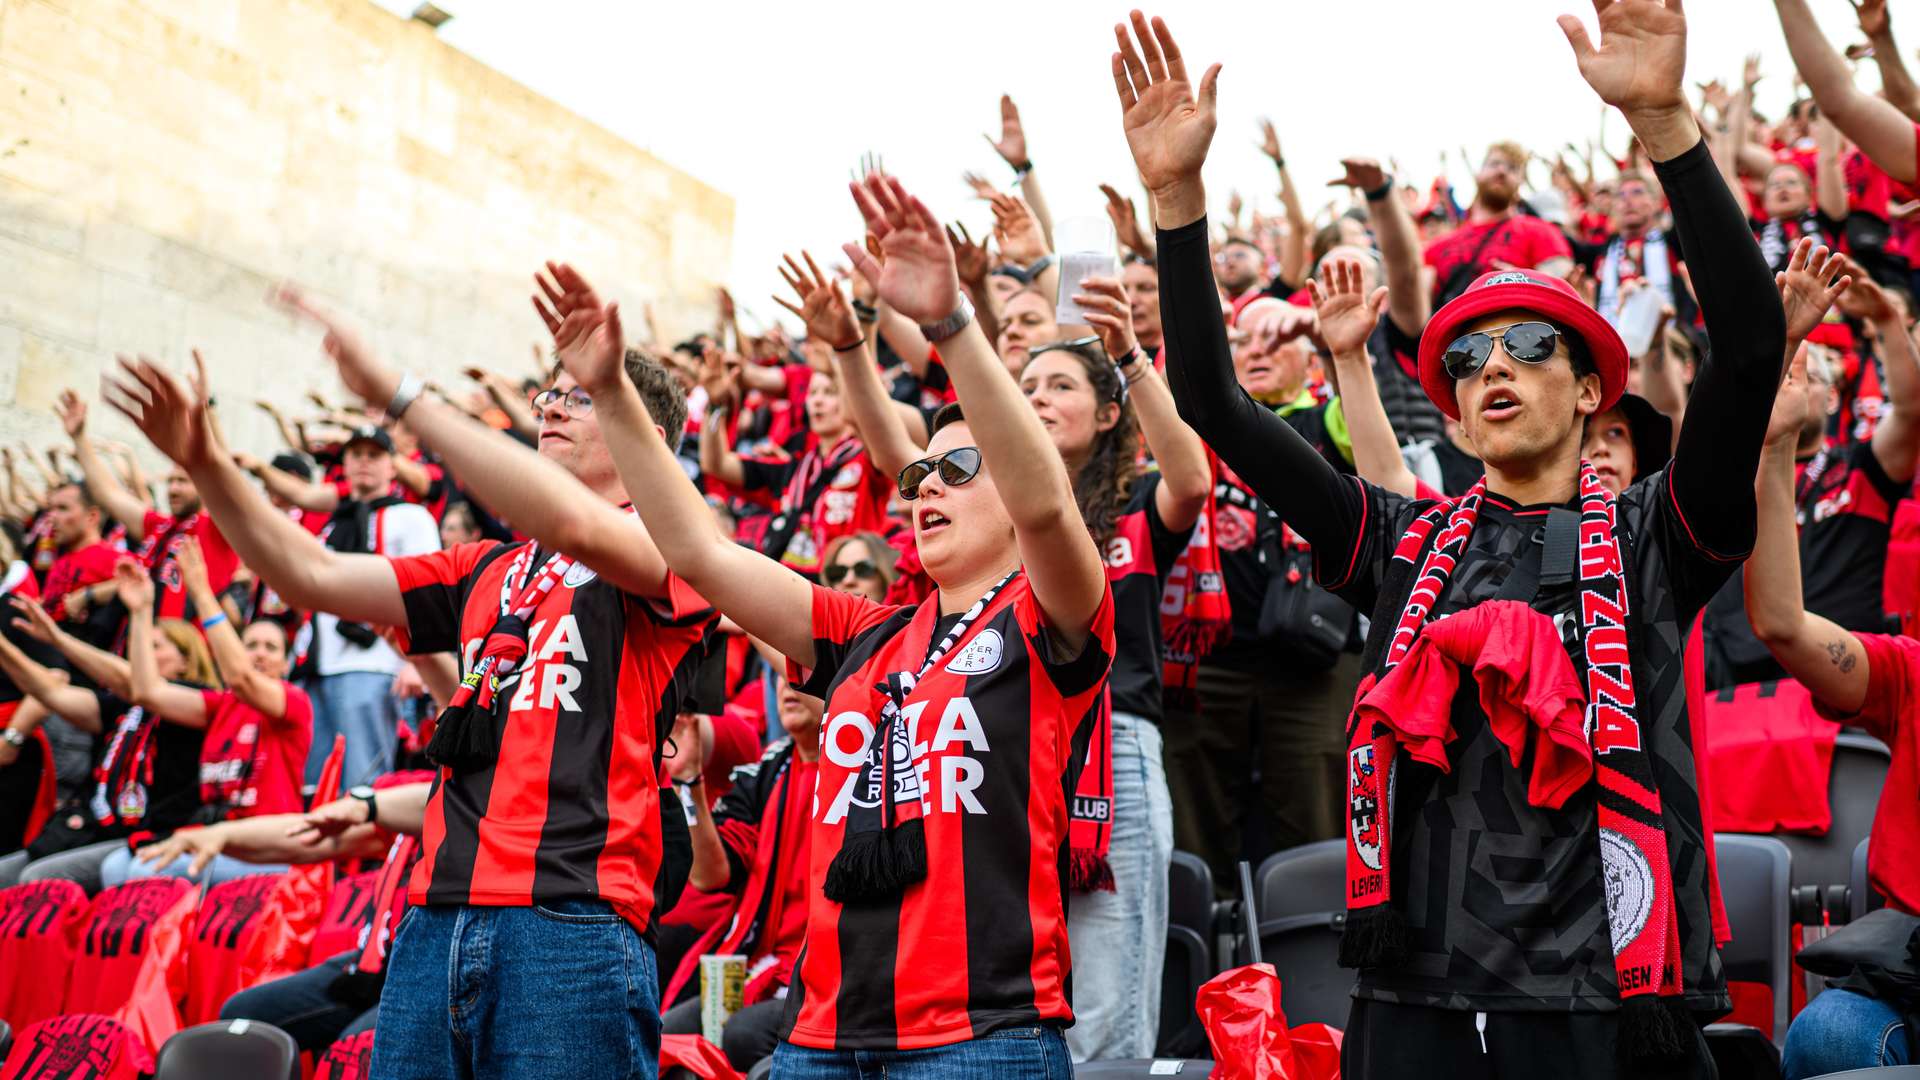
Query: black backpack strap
x,y
1551,559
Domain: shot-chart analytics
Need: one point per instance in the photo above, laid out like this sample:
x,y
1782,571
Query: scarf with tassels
x,y
1632,836
1090,816
467,734
884,849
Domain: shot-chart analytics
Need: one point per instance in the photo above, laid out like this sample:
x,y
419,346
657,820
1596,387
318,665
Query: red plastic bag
x,y
1241,1011
696,1055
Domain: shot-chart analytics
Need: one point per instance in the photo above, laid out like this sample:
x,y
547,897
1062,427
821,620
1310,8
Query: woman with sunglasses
x,y
1514,921
936,938
861,563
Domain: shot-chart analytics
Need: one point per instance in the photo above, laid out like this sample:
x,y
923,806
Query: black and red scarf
x,y
800,502
1632,834
125,772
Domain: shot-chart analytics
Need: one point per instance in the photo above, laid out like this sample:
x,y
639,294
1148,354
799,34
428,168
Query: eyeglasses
x,y
576,402
1076,343
956,467
1527,342
835,573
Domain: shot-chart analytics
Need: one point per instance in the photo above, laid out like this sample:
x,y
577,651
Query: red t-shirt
x,y
1891,713
228,915
853,500
1520,241
349,909
80,567
85,1046
39,922
571,809
996,730
114,940
161,546
252,763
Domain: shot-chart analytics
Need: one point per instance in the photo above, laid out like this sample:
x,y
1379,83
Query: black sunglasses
x,y
956,467
835,573
1527,342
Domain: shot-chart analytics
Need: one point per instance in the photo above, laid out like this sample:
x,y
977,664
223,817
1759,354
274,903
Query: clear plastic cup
x,y
1086,247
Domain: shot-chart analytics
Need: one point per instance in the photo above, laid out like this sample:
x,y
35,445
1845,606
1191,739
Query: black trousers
x,y
751,1034
1385,1041
300,1006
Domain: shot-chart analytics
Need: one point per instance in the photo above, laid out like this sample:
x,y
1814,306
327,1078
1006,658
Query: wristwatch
x,y
935,333
365,794
13,738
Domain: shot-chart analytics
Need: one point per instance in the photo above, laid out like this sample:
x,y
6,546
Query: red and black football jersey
x,y
82,1046
571,808
39,922
997,729
114,939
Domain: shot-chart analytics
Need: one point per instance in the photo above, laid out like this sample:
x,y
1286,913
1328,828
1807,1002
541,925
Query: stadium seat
x,y
1741,1052
6,1039
1190,895
1186,967
761,1071
1885,1072
1142,1068
82,865
1301,911
229,1048
1861,895
1755,872
1859,769
10,868
1304,880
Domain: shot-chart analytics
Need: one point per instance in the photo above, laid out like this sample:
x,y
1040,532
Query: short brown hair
x,y
665,401
1512,151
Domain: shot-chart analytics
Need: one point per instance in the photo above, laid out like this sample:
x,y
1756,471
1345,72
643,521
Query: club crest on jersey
x,y
577,575
979,656
1630,887
848,476
1363,795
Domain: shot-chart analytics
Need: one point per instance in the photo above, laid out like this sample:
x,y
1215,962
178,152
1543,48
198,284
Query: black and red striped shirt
x,y
996,730
571,808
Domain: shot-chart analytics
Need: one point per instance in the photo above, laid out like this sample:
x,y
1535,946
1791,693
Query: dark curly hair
x,y
1105,481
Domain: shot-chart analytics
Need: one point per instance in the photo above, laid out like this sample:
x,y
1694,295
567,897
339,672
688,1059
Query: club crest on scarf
x,y
1363,797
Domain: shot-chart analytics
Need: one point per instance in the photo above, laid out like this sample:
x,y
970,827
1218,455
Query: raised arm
x,y
1882,131
506,397
1827,659
1012,148
104,669
303,571
1896,439
176,703
305,494
1298,252
1168,130
1063,566
1186,476
48,686
264,693
769,600
1347,317
1896,83
1830,184
1126,223
107,491
830,318
1408,305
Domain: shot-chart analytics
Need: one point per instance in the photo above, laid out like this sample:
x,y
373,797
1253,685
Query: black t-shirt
x,y
1459,470
1394,352
166,785
1138,557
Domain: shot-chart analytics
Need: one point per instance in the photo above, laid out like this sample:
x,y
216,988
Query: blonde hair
x,y
199,669
1512,151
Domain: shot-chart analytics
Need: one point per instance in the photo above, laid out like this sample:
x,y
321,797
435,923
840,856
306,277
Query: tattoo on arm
x,y
1842,656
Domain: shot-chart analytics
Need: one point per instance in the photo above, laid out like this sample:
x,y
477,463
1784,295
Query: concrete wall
x,y
162,162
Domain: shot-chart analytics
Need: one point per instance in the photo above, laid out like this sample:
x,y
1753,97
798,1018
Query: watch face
x,y
361,792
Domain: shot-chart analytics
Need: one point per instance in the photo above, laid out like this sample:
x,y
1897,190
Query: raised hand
x,y
33,619
1235,204
1270,141
1791,403
973,261
134,587
1873,17
193,568
1012,144
917,278
172,415
1126,222
982,187
586,332
1641,62
1813,279
1104,303
1168,126
1017,231
1347,314
1362,175
1865,299
688,747
365,374
72,410
1750,72
828,316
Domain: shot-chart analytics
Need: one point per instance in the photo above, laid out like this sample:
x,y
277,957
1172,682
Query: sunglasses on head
x,y
956,467
835,573
1527,342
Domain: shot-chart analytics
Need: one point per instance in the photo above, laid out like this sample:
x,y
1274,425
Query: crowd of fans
x,y
899,656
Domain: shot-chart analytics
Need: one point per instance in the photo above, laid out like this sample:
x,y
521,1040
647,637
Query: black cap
x,y
293,463
1652,434
369,433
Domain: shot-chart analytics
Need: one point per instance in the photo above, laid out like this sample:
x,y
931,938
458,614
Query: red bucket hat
x,y
1525,290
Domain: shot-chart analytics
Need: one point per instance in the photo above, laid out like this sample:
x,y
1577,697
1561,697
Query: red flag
x,y
152,1012
282,941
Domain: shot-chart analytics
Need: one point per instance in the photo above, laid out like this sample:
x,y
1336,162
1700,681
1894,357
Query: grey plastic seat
x,y
1860,764
1755,877
10,867
229,1048
1885,1072
1142,1068
1860,893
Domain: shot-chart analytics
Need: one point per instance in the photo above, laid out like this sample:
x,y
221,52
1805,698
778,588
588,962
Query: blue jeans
x,y
1119,938
565,989
121,867
359,705
1842,1030
1029,1053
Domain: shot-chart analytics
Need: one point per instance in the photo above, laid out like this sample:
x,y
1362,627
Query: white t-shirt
x,y
398,530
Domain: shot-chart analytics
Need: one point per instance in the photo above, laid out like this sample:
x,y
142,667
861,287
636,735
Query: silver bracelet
x,y
13,738
404,395
935,333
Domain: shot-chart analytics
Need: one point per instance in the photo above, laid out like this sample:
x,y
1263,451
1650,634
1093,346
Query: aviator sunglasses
x,y
1527,342
956,467
835,573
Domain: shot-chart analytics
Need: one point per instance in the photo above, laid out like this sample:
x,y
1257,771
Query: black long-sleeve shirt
x,y
1506,901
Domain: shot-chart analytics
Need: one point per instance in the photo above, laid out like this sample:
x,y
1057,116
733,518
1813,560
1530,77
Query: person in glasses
x,y
1509,920
543,850
861,563
939,833
1026,323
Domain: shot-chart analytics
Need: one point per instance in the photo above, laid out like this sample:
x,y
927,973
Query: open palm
x,y
171,415
822,306
1641,61
917,277
587,336
1347,314
1814,278
1168,127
